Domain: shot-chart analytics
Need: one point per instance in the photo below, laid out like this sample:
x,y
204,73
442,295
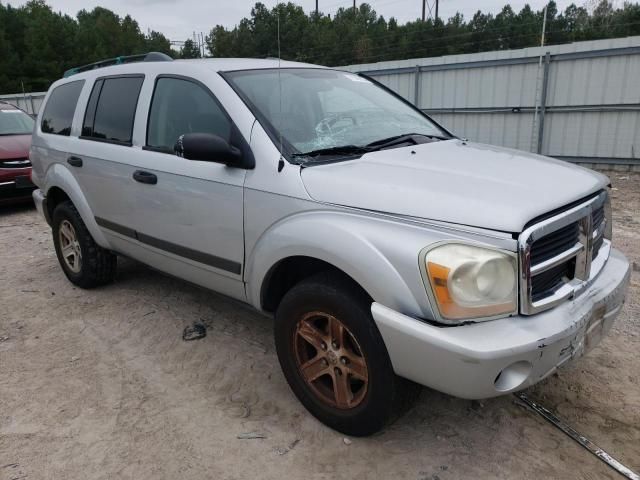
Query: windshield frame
x,y
290,152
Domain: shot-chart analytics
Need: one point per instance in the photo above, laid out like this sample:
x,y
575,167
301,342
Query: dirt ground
x,y
100,385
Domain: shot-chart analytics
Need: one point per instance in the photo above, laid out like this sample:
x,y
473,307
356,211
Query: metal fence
x,y
29,102
587,95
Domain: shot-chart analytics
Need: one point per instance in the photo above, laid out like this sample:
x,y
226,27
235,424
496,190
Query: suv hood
x,y
454,181
14,146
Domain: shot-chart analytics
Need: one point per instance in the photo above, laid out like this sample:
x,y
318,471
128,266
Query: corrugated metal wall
x,y
590,112
29,102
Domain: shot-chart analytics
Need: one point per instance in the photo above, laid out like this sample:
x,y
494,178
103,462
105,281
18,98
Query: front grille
x,y
555,243
598,221
15,163
546,283
546,248
557,253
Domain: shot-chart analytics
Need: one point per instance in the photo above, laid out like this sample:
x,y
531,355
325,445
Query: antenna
x,y
281,161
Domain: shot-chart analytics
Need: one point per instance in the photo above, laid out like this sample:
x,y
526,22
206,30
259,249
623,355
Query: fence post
x,y
416,93
543,100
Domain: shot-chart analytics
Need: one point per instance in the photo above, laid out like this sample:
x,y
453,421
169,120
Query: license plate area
x,y
23,181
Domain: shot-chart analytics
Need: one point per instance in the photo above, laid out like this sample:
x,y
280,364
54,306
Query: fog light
x,y
513,376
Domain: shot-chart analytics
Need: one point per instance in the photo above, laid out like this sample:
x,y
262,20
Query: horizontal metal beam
x,y
558,57
604,160
607,52
626,107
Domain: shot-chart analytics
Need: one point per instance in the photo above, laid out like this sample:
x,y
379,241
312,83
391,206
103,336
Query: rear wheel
x,y
84,262
334,358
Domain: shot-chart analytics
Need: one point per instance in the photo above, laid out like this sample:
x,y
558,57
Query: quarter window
x,y
111,109
58,113
182,106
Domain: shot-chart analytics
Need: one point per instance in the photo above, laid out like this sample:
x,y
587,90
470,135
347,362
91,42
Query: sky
x,y
178,19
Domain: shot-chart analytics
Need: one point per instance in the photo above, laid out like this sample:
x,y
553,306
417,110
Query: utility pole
x,y
534,134
316,8
354,5
424,9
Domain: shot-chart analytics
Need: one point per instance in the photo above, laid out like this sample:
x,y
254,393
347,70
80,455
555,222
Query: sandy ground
x,y
100,385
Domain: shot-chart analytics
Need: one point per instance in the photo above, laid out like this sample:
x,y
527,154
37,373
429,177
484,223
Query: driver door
x,y
187,214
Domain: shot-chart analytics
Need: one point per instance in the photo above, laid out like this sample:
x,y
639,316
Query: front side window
x,y
328,109
111,109
59,110
15,122
181,106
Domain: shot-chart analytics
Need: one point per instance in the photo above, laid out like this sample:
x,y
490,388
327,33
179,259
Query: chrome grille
x,y
561,254
599,222
15,163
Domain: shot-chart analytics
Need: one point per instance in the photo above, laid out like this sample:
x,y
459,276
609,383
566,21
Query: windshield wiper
x,y
399,139
320,154
333,152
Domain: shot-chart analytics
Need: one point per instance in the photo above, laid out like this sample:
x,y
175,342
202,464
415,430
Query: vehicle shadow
x,y
17,207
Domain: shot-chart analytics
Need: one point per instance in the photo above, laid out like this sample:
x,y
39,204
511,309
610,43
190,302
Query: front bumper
x,y
41,204
15,186
492,358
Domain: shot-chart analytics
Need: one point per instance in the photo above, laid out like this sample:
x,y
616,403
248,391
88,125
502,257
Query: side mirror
x,y
207,147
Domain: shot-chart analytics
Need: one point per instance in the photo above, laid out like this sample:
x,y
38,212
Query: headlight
x,y
468,281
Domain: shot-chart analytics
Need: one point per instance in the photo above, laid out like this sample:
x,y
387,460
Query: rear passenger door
x,y
100,157
181,216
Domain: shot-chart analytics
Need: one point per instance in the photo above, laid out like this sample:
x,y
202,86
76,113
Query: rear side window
x,y
182,106
59,110
111,109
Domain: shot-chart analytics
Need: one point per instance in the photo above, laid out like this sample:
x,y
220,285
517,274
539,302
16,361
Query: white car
x,y
389,250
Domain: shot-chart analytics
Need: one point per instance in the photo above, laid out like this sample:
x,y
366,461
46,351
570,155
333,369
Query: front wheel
x,y
334,358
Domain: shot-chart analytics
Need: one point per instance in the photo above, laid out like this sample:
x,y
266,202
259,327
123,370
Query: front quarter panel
x,y
380,254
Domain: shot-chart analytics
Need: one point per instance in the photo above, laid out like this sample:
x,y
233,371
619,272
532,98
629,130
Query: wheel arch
x,y
351,245
288,272
61,185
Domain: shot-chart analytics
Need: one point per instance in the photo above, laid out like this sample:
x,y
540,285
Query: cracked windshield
x,y
327,109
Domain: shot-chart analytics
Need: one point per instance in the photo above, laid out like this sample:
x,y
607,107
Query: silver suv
x,y
389,250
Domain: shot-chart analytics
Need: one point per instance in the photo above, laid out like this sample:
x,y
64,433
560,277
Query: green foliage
x,y
189,50
362,36
38,44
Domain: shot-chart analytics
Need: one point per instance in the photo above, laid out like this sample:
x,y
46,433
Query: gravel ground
x,y
100,385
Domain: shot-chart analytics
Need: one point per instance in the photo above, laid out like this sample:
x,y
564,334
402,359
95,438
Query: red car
x,y
15,168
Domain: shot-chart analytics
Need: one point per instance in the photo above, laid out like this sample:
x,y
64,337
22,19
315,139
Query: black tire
x,y
97,265
387,395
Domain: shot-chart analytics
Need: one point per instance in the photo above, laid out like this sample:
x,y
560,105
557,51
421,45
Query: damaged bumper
x,y
41,204
493,358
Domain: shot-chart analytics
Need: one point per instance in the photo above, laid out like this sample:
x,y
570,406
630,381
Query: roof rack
x,y
144,57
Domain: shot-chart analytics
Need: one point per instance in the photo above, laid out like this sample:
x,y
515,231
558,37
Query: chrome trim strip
x,y
583,275
557,260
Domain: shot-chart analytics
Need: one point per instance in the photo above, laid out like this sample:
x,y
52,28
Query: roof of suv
x,y
213,64
230,64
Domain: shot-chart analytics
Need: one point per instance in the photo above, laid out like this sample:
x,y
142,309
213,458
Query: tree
x,y
38,44
189,50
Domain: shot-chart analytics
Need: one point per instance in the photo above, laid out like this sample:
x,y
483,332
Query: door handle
x,y
74,161
145,177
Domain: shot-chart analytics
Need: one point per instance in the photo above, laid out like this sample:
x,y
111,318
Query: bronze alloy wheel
x,y
330,360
